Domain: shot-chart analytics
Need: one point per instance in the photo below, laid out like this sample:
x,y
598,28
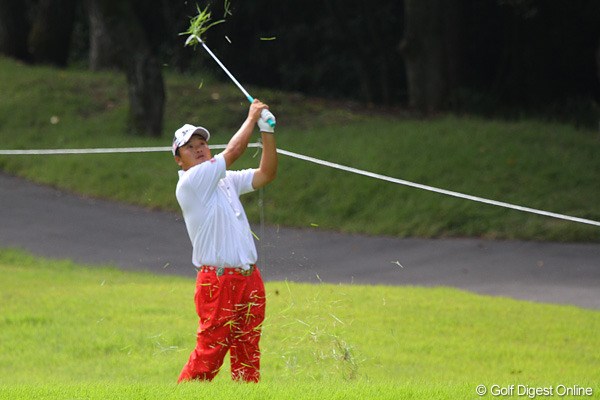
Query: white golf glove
x,y
262,123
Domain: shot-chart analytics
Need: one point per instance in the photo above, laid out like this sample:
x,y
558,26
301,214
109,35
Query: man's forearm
x,y
267,171
239,142
242,136
268,160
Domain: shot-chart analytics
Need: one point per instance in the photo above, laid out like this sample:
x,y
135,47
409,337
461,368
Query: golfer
x,y
230,295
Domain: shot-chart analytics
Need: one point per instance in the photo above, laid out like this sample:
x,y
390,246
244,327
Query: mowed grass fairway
x,y
74,332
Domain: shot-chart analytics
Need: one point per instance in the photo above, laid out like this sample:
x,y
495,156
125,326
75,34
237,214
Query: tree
x,y
598,61
50,36
14,27
366,33
431,50
118,39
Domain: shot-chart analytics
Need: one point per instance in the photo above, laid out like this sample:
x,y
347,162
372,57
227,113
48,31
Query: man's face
x,y
194,152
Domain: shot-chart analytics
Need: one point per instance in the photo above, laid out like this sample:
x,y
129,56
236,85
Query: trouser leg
x,y
245,350
207,357
212,340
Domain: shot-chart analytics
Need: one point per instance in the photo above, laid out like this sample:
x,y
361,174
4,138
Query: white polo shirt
x,y
215,219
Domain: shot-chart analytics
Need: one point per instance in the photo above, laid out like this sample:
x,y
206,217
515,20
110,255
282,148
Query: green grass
x,y
71,331
532,163
216,391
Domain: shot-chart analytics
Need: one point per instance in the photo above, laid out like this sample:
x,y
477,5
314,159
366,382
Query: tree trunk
x,y
431,50
106,49
13,29
146,94
118,39
598,69
50,36
598,61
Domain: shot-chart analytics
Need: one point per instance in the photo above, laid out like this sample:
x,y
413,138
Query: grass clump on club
x,y
199,25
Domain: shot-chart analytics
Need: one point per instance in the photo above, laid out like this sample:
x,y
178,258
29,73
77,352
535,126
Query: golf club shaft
x,y
250,98
244,91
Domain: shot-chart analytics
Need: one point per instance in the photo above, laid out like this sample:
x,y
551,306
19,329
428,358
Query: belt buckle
x,y
248,272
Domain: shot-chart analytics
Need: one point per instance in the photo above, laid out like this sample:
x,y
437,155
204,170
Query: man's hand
x,y
255,110
263,125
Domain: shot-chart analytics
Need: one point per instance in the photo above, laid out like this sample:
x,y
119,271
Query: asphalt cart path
x,y
51,223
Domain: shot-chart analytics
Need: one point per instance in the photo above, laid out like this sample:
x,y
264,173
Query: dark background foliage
x,y
507,57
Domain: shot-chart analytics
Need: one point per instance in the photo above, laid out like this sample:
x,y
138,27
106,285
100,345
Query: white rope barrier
x,y
315,161
98,151
437,190
83,151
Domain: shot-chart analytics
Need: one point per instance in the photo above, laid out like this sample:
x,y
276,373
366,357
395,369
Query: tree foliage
x,y
14,28
50,36
486,56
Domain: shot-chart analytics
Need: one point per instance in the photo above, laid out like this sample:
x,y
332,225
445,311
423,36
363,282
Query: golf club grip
x,y
269,120
262,114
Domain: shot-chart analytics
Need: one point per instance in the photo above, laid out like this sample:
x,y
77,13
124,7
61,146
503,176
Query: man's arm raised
x,y
267,171
239,142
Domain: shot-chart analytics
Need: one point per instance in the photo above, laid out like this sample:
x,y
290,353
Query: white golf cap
x,y
183,135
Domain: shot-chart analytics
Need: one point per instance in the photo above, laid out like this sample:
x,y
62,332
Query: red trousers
x,y
231,308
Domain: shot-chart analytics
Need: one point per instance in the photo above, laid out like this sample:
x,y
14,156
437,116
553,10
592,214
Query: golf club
x,y
264,113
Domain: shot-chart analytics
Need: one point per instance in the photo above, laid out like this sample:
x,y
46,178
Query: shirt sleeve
x,y
242,180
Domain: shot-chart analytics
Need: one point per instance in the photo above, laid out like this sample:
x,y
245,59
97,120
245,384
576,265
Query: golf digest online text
x,y
533,392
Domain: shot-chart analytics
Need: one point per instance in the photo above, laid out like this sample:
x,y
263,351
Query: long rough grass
x,y
71,331
543,165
